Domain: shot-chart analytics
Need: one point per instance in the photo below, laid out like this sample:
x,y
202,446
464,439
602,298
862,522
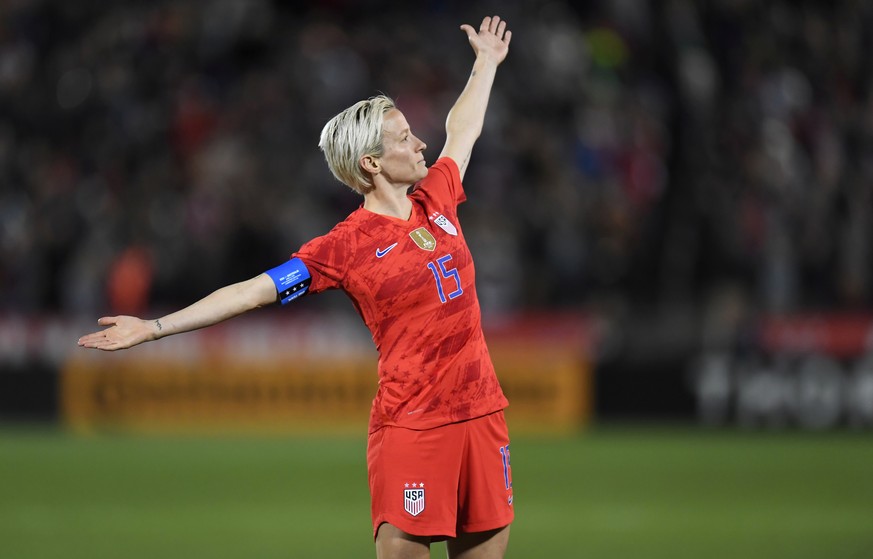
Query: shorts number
x,y
507,469
445,273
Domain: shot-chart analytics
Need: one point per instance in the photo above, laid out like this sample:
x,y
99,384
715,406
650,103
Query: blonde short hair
x,y
352,134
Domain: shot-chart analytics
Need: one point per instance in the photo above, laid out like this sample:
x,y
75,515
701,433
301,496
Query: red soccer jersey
x,y
413,283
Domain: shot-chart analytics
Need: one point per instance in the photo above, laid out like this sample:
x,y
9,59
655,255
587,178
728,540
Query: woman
x,y
438,448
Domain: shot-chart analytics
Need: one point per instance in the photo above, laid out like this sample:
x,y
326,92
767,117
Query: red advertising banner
x,y
812,371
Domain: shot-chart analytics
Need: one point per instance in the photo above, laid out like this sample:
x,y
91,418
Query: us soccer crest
x,y
413,499
424,239
444,223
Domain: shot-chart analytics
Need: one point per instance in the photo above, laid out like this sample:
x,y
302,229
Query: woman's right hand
x,y
123,332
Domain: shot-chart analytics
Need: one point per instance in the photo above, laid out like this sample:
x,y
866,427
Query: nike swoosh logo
x,y
380,253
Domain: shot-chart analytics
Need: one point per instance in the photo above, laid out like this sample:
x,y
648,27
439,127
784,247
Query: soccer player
x,y
438,448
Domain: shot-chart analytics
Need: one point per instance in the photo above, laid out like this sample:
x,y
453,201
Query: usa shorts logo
x,y
413,499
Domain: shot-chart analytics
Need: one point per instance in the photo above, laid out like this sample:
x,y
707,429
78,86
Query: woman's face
x,y
403,161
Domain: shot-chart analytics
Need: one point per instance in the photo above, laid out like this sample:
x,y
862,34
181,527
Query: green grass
x,y
613,493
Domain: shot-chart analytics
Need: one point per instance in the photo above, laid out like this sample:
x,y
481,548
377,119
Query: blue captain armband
x,y
292,280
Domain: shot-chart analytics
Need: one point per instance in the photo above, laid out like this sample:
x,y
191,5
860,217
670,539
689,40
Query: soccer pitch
x,y
610,493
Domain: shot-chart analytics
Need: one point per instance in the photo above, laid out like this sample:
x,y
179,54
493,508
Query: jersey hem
x,y
429,426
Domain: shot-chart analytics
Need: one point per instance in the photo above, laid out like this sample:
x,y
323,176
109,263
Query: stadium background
x,y
670,212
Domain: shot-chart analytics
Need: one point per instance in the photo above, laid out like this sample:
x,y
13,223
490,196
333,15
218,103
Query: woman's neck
x,y
392,203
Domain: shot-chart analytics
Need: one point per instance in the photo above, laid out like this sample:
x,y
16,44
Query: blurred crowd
x,y
635,152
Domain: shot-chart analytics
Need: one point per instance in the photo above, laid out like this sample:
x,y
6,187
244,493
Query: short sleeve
x,y
327,259
443,183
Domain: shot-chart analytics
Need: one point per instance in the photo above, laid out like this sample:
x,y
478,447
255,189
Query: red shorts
x,y
442,481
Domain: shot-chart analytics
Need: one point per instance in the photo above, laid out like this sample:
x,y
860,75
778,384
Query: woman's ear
x,y
370,164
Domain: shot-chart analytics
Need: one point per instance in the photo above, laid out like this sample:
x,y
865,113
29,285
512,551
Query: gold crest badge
x,y
424,239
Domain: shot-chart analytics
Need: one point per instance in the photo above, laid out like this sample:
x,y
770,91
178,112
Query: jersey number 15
x,y
440,273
